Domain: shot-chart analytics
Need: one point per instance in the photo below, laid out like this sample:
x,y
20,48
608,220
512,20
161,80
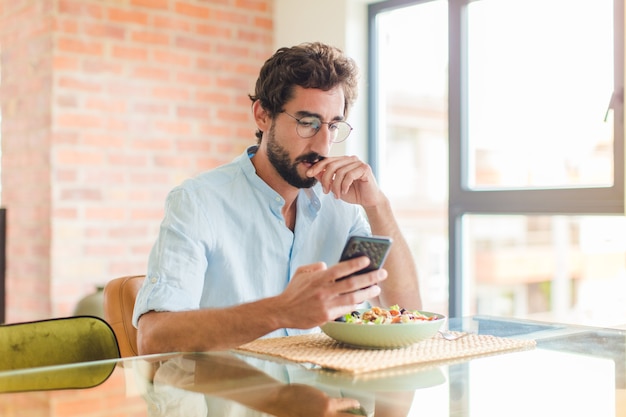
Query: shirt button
x,y
153,280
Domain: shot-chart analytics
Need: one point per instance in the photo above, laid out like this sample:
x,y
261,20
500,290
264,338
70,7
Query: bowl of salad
x,y
384,328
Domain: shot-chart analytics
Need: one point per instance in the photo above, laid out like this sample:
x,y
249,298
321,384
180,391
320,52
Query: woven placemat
x,y
321,350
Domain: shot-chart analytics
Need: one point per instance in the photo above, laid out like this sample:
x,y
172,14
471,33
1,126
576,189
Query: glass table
x,y
572,371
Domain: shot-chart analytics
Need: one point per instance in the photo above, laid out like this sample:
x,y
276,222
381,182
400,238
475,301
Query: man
x,y
251,249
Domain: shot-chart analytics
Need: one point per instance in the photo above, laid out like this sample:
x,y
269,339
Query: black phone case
x,y
374,247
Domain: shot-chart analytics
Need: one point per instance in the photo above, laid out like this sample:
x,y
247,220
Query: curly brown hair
x,y
308,65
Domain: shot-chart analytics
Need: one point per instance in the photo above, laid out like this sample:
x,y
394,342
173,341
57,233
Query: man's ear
x,y
261,116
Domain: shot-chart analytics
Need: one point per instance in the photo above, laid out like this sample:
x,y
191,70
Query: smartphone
x,y
374,247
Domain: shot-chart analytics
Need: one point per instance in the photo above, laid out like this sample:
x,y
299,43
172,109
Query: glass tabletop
x,y
572,371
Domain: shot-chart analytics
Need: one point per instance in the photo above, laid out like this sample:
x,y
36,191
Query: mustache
x,y
310,158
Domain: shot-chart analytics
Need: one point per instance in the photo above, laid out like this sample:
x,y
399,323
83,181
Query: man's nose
x,y
325,133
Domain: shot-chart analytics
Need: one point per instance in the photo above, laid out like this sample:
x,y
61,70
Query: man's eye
x,y
312,123
333,127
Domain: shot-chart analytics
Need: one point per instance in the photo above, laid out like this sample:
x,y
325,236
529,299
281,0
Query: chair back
x,y
49,344
56,341
119,302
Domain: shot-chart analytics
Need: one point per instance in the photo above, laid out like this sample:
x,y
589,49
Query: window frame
x,y
461,199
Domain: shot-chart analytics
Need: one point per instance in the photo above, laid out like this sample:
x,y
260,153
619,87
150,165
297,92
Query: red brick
x,y
153,4
171,57
202,145
192,10
106,105
265,23
152,177
106,30
151,108
66,63
194,43
194,112
80,8
129,52
249,36
214,130
213,97
78,121
65,44
234,83
178,127
67,101
127,231
155,214
227,148
118,125
101,66
195,79
104,250
127,16
134,161
73,83
173,93
105,213
104,177
235,17
255,5
172,161
81,194
73,157
153,145
215,31
212,64
156,38
67,26
172,23
151,73
233,50
102,140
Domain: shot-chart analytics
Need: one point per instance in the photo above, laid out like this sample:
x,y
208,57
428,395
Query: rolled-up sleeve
x,y
178,259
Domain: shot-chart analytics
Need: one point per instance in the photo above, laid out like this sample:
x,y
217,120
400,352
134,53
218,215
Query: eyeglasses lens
x,y
308,126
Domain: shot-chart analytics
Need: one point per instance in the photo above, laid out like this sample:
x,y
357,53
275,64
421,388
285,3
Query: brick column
x,y
106,105
26,93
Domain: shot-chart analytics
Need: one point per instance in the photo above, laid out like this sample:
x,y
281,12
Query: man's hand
x,y
315,296
348,178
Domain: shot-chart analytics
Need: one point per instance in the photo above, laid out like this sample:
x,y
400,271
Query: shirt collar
x,y
307,197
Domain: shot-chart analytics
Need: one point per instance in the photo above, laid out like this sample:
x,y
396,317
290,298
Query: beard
x,y
282,163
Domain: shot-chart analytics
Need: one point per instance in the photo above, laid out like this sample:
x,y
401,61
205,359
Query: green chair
x,y
35,355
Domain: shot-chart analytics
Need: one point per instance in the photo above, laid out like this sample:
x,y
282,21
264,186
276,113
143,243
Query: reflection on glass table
x,y
573,371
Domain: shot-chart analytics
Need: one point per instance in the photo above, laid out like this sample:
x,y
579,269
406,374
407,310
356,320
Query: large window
x,y
497,132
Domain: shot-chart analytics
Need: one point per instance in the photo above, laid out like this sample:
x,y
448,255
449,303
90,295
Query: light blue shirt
x,y
223,241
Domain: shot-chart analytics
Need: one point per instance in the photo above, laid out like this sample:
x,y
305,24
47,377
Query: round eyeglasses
x,y
308,126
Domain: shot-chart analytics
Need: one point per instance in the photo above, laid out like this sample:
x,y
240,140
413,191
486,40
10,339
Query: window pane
x,y
565,268
413,139
540,79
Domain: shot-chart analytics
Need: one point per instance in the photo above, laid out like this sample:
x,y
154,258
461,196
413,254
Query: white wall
x,y
342,23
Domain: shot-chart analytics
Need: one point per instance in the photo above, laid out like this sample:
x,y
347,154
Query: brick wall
x,y
26,94
106,105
